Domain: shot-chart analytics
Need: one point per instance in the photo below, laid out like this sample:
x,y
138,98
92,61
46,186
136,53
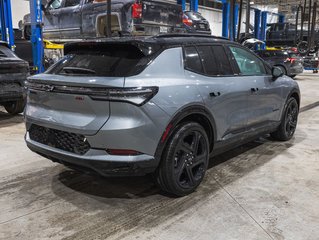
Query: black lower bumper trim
x,y
103,168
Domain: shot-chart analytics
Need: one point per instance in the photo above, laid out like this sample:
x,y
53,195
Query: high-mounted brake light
x,y
137,10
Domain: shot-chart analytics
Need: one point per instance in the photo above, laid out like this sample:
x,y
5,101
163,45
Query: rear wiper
x,y
78,70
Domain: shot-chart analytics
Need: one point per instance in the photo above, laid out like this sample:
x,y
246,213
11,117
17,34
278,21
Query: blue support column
x,y
257,23
194,5
236,21
6,23
263,27
36,37
225,23
183,3
2,22
281,18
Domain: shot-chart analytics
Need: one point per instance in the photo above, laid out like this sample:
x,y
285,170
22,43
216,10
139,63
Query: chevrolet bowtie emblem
x,y
48,88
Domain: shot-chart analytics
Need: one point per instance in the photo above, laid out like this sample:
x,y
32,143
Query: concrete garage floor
x,y
263,190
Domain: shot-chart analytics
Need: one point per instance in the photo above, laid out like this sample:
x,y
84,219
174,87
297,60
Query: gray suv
x,y
161,105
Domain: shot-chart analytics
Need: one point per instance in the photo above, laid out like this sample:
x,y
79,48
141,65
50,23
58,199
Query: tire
x,y
184,160
14,108
302,48
289,121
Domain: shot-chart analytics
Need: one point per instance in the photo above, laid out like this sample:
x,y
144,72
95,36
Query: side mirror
x,y
276,72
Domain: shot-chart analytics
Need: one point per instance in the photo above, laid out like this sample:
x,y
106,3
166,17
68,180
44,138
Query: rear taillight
x,y
187,21
291,60
135,95
137,10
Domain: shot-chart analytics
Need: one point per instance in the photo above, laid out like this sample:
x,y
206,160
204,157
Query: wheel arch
x,y
295,94
197,114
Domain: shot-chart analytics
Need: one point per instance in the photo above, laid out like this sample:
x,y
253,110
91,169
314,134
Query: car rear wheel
x,y
15,107
185,159
289,121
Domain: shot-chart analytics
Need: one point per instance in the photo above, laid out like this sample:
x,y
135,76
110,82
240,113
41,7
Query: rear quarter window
x,y
192,60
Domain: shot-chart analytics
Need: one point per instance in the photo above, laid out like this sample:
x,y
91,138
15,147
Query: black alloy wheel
x,y
185,161
288,125
291,118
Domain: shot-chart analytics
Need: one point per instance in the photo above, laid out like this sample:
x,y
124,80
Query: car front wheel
x,y
289,121
185,159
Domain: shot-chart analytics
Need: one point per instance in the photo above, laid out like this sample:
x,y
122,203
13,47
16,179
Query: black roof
x,y
163,40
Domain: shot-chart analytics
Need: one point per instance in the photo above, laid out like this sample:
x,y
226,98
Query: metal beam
x,y
225,23
194,5
263,27
257,23
36,37
6,23
183,3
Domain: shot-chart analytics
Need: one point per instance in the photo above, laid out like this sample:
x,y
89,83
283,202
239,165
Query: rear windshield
x,y
280,54
107,61
195,16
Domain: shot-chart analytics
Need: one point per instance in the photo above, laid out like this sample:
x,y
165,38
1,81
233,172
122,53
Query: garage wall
x,y
214,17
19,9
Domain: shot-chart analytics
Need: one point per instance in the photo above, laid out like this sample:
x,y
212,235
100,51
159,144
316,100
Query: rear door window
x,y
222,61
71,3
208,59
56,4
110,61
192,60
247,62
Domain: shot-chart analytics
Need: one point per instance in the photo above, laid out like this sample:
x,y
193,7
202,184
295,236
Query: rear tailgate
x,y
162,13
73,95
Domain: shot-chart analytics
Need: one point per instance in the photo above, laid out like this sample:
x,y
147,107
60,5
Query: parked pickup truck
x,y
13,74
284,34
81,19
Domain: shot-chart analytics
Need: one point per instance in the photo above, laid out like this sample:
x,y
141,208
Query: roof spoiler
x,y
189,35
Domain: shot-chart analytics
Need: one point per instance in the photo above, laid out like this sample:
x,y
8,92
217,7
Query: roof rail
x,y
188,35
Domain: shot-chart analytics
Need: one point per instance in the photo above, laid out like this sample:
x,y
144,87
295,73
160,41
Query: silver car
x,y
161,105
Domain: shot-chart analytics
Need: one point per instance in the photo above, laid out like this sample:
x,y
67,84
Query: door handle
x,y
214,94
254,89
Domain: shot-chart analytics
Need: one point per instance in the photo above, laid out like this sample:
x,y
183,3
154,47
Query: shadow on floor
x,y
7,120
241,160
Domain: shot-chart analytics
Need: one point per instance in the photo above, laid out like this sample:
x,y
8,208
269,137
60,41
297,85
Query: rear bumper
x,y
296,70
96,160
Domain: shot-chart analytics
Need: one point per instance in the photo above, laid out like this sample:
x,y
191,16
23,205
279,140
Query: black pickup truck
x,y
285,35
82,19
13,73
